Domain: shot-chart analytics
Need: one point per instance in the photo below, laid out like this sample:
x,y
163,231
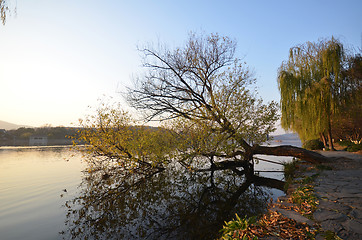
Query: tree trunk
x,y
291,151
329,134
324,140
330,140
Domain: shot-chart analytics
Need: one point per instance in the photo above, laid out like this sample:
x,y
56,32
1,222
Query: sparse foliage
x,y
204,87
213,125
206,96
211,112
114,141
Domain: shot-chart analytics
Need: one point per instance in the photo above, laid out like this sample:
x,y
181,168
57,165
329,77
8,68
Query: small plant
x,y
290,168
329,235
236,228
314,144
289,172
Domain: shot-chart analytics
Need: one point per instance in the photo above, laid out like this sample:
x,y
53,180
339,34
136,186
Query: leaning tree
x,y
209,93
207,100
213,124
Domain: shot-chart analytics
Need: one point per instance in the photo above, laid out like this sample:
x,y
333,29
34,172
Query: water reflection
x,y
31,182
173,204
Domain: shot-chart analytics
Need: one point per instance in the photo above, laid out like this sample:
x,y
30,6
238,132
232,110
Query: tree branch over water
x,y
206,98
213,123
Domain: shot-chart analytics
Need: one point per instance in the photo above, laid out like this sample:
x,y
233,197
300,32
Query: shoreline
x,y
321,202
338,196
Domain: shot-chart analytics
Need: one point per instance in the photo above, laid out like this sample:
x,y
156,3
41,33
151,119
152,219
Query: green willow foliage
x,y
312,87
4,11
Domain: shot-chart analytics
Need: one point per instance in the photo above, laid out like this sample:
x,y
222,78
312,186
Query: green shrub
x,y
314,144
290,168
345,143
350,146
289,172
354,147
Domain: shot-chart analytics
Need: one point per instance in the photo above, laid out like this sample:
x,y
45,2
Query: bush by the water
x,y
314,144
345,143
351,146
354,148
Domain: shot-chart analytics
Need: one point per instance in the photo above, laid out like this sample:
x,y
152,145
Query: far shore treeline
x,y
53,135
23,136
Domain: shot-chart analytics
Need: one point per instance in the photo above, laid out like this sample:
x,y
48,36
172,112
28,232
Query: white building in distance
x,y
38,141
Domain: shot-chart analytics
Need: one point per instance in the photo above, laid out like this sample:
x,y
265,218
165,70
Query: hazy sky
x,y
58,57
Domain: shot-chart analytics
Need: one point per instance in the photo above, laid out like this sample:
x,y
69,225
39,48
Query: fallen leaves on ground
x,y
276,225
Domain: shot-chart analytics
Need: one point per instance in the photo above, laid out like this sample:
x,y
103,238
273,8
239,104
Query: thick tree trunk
x,y
329,134
291,151
324,140
330,140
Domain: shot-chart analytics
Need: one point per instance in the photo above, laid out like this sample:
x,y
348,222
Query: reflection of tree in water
x,y
211,114
173,204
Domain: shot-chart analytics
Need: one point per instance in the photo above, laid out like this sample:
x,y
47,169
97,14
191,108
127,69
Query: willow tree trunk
x,y
324,140
330,139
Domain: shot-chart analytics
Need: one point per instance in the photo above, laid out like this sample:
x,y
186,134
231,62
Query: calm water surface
x,y
35,183
32,191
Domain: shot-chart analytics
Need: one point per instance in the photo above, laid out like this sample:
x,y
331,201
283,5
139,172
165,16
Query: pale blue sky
x,y
58,57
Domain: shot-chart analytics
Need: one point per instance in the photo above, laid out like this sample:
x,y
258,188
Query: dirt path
x,y
340,195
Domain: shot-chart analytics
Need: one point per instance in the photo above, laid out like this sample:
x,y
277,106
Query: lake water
x,y
35,183
32,181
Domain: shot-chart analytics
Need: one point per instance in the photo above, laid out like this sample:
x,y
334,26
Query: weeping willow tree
x,y
4,9
312,88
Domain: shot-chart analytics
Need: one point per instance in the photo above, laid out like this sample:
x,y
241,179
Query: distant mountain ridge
x,y
10,126
287,136
287,139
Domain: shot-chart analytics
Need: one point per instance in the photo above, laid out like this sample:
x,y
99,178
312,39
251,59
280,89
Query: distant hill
x,y
286,139
287,136
10,126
